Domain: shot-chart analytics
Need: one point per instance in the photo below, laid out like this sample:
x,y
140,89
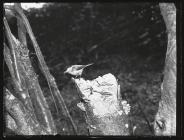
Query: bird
x,y
76,70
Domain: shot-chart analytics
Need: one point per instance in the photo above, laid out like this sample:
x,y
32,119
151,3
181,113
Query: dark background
x,y
131,43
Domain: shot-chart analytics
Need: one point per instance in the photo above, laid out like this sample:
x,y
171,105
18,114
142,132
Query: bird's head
x,y
68,70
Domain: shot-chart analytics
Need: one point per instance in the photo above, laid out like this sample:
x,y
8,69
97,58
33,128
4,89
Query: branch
x,y
50,79
21,29
18,119
29,83
14,59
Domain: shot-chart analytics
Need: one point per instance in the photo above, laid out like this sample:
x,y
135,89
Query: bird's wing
x,y
78,67
84,66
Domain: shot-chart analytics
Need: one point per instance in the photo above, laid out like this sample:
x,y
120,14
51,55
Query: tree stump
x,y
106,113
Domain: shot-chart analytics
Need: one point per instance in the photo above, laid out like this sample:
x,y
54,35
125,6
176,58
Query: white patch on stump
x,y
102,93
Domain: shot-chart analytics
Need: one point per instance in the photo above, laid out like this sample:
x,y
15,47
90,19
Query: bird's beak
x,y
66,71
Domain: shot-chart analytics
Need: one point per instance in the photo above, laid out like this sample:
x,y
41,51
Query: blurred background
x,y
128,40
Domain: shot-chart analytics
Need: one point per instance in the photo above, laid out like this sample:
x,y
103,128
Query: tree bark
x,y
29,98
19,119
106,113
165,121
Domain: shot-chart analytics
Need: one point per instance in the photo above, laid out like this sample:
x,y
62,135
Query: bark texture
x,y
165,122
19,119
106,113
26,106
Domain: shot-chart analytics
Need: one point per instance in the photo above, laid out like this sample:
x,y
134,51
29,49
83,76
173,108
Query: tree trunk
x,y
26,104
165,121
